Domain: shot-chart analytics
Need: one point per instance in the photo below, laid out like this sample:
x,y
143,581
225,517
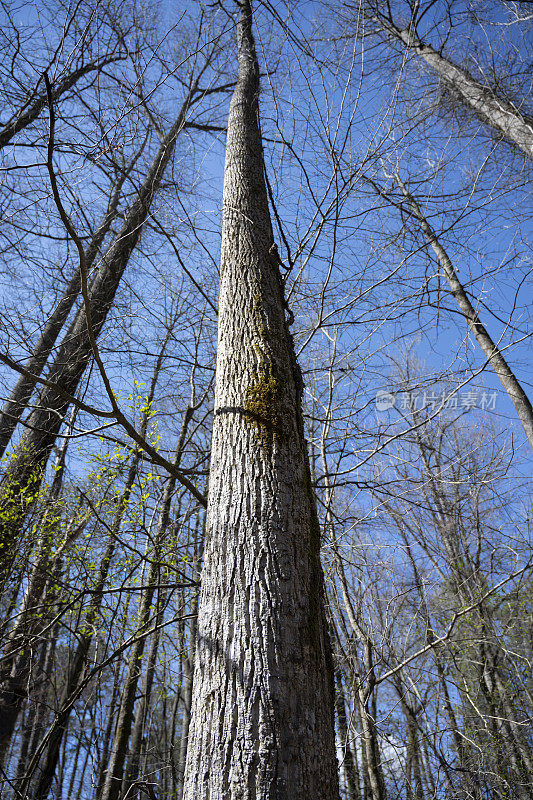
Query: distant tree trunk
x,y
498,113
16,661
186,698
499,716
364,690
40,702
32,720
75,668
22,391
263,698
141,712
491,350
349,756
86,637
74,764
115,769
106,743
22,479
413,758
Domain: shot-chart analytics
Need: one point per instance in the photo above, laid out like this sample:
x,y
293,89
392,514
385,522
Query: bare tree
x,y
498,112
22,479
263,662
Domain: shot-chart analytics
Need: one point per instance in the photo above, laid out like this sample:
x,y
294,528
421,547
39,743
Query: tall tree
x,y
263,698
500,113
21,481
21,393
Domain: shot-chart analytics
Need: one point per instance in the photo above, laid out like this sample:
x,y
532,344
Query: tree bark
x,y
498,113
263,697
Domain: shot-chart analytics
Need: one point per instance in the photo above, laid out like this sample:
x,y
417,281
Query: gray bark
x,y
263,696
498,113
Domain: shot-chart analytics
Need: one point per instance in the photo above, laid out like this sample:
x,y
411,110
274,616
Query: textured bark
x,y
263,699
498,113
23,476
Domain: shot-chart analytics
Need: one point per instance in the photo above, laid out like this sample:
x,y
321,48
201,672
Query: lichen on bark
x,y
263,404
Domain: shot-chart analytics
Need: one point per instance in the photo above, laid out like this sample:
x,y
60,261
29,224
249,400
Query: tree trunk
x,y
351,770
86,637
141,713
17,657
491,350
108,729
364,691
22,479
499,114
115,770
186,697
263,697
22,391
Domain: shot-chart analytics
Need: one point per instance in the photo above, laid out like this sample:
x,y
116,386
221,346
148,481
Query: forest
x,y
265,416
